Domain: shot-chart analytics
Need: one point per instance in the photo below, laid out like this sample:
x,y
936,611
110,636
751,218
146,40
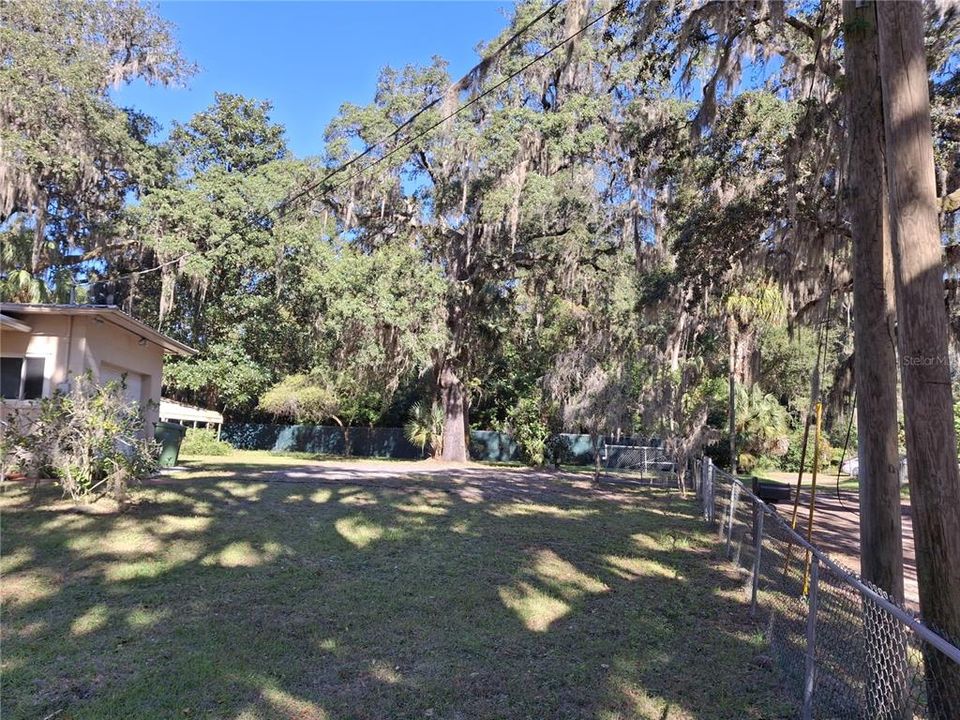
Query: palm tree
x,y
747,309
425,427
762,422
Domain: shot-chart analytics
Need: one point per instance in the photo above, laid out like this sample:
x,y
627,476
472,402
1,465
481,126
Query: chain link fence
x,y
844,648
638,465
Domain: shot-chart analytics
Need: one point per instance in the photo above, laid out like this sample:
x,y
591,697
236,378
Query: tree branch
x,y
950,202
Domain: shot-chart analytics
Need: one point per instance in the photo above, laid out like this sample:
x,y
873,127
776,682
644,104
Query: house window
x,y
21,378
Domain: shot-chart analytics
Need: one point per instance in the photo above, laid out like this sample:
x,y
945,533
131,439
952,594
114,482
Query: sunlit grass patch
x,y
14,560
166,525
358,531
128,538
382,672
31,630
421,508
24,588
638,703
293,707
174,554
245,490
634,568
521,509
274,703
141,618
535,608
328,645
564,575
461,527
243,554
359,498
74,522
645,542
90,621
321,496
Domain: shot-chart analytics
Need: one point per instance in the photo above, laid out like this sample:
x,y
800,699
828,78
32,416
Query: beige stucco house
x,y
41,346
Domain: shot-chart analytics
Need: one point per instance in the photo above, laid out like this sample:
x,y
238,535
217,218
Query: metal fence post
x,y
757,549
705,471
734,498
811,664
712,477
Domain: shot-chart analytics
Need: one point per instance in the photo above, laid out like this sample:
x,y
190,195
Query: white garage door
x,y
134,380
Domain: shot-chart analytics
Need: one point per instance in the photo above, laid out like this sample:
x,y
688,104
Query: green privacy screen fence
x,y
384,442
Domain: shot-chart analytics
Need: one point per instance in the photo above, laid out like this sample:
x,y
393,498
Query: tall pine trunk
x,y
922,334
875,357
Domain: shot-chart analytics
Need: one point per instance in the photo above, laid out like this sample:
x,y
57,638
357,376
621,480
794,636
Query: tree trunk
x,y
732,399
923,337
596,438
875,357
454,415
747,356
347,445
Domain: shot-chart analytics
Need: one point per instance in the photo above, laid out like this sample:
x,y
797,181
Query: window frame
x,y
44,389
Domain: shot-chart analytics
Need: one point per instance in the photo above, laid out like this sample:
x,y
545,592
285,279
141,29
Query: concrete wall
x,y
114,351
72,345
47,339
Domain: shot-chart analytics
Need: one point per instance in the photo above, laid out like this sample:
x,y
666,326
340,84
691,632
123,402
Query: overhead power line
x,y
482,95
288,202
409,121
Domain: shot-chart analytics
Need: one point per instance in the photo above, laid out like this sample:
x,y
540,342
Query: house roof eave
x,y
108,313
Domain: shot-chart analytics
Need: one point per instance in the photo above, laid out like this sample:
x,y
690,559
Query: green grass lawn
x,y
252,587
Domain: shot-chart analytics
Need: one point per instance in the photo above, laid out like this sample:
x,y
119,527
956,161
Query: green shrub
x,y
765,463
90,438
747,462
530,429
791,461
558,450
203,441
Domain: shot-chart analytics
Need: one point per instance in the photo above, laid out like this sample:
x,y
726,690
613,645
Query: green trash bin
x,y
169,435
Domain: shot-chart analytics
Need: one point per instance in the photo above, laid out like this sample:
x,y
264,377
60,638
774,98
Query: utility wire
x,y
409,121
482,95
284,205
846,444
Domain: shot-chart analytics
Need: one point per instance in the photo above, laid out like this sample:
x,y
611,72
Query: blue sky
x,y
309,57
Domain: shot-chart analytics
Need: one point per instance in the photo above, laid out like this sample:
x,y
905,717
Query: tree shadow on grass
x,y
296,592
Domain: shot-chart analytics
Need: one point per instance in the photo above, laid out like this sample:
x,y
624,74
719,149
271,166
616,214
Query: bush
x,y
530,430
558,450
719,452
791,461
765,463
89,438
746,462
203,441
